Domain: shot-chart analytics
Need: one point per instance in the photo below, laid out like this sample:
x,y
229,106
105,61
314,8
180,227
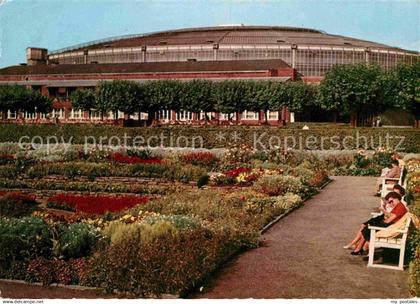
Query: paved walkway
x,y
302,255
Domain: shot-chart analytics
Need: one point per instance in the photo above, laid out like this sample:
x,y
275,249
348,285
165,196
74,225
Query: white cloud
x,y
3,2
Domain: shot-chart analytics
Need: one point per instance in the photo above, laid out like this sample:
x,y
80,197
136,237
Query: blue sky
x,y
55,24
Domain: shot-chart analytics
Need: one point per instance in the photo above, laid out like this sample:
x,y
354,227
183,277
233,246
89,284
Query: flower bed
x,y
94,204
6,159
413,198
16,204
205,159
168,245
142,250
126,159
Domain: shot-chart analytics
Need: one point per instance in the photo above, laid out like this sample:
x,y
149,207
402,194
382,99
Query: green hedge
x,y
219,137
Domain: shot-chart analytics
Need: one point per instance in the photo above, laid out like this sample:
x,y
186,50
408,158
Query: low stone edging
x,y
73,287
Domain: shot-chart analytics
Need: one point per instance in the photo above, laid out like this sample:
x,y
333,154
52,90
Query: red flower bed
x,y
235,172
7,156
199,158
249,179
120,158
6,159
97,204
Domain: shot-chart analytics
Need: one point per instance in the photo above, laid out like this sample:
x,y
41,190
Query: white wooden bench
x,y
389,182
397,242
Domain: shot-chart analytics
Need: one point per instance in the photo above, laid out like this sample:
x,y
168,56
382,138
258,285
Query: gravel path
x,y
302,255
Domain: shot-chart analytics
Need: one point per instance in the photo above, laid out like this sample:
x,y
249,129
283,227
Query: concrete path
x,y
302,255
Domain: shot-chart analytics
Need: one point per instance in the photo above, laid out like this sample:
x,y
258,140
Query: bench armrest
x,y
383,228
395,179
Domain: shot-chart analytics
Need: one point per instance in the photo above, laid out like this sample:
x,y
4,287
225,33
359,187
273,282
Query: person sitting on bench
x,y
398,211
393,172
386,209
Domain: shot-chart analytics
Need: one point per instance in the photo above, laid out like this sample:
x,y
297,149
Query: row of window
x,y
164,115
309,61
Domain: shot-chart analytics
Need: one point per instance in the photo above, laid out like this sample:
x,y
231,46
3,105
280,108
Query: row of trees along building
x,y
359,91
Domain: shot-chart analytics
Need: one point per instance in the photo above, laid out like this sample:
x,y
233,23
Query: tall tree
x,y
20,99
118,95
405,88
355,90
299,95
229,97
37,103
262,96
83,99
196,96
162,95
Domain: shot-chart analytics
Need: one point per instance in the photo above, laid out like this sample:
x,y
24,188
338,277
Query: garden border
x,y
163,296
271,224
73,287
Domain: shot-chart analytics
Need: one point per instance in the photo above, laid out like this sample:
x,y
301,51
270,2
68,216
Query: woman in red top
x,y
397,212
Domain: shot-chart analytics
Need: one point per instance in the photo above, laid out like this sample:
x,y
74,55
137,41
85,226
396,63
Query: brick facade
x,y
65,106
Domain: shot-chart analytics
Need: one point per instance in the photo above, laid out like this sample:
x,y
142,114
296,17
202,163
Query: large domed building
x,y
310,52
225,52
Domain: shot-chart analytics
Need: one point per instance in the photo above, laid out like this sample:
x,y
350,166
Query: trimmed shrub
x,y
157,230
117,231
23,239
40,270
382,159
179,221
17,205
51,271
78,240
275,185
17,270
63,272
160,266
247,134
82,270
319,178
203,180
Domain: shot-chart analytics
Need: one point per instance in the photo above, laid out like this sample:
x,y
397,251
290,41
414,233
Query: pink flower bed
x,y
97,204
